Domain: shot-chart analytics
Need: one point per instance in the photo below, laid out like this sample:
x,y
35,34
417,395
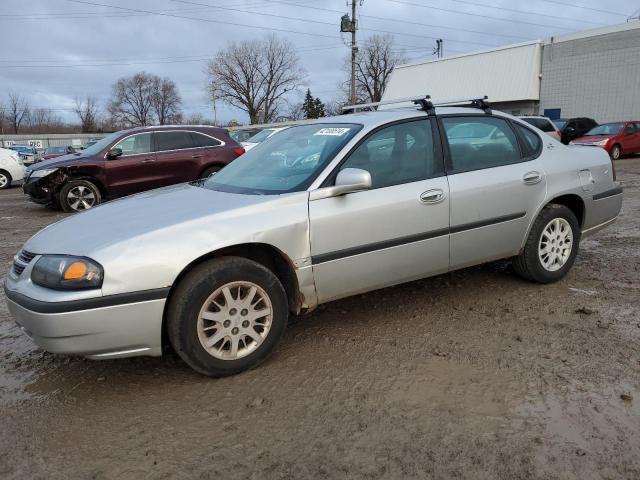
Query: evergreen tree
x,y
318,108
308,106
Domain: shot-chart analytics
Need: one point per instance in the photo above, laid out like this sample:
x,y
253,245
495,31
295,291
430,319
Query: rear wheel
x,y
5,180
210,171
79,195
551,247
226,316
616,152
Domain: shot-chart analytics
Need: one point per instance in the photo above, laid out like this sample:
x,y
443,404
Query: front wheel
x,y
551,247
616,152
79,195
227,315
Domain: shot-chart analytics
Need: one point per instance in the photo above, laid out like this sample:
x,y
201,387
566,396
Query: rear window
x,y
202,140
541,123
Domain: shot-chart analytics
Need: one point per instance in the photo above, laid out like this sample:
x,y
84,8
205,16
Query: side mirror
x,y
349,180
570,130
114,153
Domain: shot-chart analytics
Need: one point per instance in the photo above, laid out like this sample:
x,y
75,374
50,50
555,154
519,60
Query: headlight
x,y
63,272
602,143
42,173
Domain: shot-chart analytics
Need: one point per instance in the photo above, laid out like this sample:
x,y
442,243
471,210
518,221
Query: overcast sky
x,y
53,50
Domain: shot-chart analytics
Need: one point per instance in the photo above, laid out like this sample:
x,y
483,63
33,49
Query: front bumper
x,y
40,190
112,331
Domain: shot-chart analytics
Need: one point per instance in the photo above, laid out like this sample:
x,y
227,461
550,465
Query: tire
x,y
193,336
535,265
209,171
5,180
616,152
87,193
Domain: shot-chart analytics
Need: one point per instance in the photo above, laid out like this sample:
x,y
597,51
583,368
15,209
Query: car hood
x,y
61,161
592,138
167,210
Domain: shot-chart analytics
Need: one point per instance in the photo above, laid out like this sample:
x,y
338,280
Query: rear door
x,y
177,159
395,232
496,183
636,144
128,173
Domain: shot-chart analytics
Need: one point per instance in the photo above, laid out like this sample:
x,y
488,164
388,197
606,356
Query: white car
x,y
11,168
261,137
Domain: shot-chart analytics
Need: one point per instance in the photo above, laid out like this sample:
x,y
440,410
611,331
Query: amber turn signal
x,y
75,271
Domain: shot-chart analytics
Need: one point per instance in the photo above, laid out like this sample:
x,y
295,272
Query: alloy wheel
x,y
234,320
556,243
81,198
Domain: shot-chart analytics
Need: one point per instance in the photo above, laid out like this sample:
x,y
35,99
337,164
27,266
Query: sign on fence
x,y
9,143
35,143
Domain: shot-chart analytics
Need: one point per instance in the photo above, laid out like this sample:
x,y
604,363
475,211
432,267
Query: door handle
x,y
531,178
196,155
432,196
148,160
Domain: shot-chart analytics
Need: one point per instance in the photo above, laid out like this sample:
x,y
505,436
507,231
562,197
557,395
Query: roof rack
x,y
425,103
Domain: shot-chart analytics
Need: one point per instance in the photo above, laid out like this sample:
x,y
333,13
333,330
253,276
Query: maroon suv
x,y
130,161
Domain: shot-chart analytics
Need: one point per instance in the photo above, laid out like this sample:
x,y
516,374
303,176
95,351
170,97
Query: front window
x,y
288,162
135,144
606,129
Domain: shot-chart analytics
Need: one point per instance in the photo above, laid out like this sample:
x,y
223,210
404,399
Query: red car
x,y
54,152
617,138
130,161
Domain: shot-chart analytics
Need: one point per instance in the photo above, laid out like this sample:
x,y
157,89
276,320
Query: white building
x,y
594,73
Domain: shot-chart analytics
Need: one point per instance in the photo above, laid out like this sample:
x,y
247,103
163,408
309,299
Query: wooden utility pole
x,y
354,51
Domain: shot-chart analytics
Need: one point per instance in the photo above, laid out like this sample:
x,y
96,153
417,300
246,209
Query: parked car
x,y
130,161
544,124
573,128
29,155
54,152
321,211
617,138
261,136
11,168
244,134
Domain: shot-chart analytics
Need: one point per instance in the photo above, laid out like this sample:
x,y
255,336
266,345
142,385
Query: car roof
x,y
154,128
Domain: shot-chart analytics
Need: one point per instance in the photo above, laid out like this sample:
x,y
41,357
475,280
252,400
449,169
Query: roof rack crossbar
x,y
425,103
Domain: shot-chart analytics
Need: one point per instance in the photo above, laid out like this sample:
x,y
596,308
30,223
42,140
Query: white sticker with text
x,y
333,131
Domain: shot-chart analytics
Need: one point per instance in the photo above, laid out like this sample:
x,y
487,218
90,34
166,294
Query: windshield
x,y
288,162
21,148
101,144
559,123
606,129
260,136
56,150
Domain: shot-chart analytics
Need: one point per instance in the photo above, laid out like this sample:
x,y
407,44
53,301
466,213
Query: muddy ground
x,y
474,374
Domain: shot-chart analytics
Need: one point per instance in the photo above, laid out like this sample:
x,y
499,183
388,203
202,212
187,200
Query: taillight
x,y
238,151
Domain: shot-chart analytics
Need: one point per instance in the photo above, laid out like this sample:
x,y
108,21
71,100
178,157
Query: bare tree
x,y
255,76
87,111
2,117
374,63
17,111
166,101
132,102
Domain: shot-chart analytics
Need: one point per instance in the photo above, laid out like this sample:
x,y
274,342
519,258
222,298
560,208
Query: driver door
x,y
395,232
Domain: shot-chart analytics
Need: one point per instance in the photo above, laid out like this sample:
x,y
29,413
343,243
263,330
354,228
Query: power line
x,y
490,17
526,12
575,5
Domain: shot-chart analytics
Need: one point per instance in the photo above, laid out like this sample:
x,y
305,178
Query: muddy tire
x,y
226,316
5,180
78,195
551,247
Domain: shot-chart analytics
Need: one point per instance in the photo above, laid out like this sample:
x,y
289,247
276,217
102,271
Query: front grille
x,y
21,261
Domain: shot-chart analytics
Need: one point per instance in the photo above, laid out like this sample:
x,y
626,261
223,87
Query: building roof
x,y
593,32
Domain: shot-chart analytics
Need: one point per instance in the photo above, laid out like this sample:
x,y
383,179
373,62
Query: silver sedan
x,y
321,211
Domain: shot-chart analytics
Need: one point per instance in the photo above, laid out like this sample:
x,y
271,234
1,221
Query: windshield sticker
x,y
332,131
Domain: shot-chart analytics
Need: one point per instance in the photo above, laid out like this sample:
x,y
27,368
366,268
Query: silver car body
x,y
336,246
